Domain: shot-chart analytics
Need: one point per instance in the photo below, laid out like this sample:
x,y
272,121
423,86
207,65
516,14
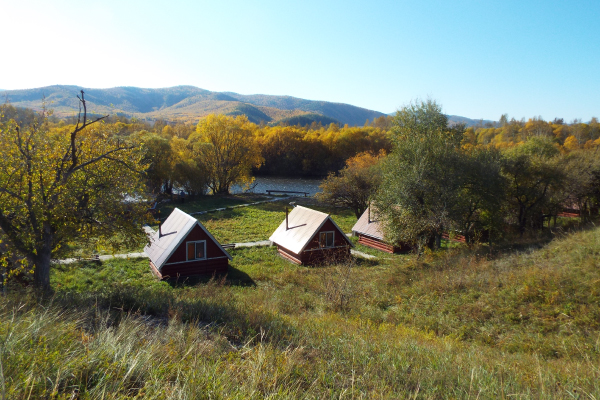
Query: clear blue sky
x,y
479,59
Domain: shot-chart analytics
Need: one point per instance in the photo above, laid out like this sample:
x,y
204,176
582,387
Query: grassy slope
x,y
453,325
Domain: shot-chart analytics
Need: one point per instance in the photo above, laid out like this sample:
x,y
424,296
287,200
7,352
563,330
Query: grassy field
x,y
254,223
234,225
205,203
455,324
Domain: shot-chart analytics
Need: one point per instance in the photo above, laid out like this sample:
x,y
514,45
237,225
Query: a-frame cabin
x,y
370,233
184,247
308,236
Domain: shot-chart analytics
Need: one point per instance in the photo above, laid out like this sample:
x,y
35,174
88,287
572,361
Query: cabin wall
x,y
381,245
197,233
155,270
316,256
216,261
289,255
375,244
340,238
325,255
196,267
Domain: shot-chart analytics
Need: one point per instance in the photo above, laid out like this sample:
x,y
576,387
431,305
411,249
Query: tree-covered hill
x,y
457,119
308,119
186,103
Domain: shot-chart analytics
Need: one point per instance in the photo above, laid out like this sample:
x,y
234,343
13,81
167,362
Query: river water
x,y
263,183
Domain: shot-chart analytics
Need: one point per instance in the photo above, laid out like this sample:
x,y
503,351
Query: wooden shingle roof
x,y
368,224
303,225
174,231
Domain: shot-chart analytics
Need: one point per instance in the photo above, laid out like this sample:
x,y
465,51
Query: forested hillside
x,y
186,104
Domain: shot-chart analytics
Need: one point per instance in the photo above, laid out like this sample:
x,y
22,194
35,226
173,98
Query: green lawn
x,y
252,223
258,222
205,203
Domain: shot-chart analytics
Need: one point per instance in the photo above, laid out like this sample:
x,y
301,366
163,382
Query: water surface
x,y
263,183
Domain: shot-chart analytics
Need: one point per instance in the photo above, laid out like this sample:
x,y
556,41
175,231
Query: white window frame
x,y
332,240
195,242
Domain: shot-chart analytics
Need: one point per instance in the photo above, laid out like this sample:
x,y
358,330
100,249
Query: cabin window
x,y
196,250
326,239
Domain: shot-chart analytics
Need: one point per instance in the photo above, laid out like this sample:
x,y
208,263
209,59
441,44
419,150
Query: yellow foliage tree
x,y
229,151
72,183
356,184
571,143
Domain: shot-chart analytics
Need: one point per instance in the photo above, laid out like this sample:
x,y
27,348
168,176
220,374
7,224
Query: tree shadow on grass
x,y
366,263
233,277
106,308
531,241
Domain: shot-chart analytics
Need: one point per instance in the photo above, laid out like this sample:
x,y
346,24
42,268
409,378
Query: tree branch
x,y
96,159
10,193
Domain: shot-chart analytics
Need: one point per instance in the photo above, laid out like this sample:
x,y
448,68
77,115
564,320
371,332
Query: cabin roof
x,y
369,224
174,231
303,225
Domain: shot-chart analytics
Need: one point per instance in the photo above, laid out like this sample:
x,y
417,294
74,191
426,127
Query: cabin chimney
x,y
160,229
286,219
369,213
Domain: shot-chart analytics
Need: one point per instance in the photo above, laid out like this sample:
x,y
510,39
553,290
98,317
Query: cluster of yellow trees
x,y
222,151
577,135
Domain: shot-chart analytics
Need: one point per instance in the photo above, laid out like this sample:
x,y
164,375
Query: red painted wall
x,y
381,245
216,262
212,250
200,267
339,237
313,254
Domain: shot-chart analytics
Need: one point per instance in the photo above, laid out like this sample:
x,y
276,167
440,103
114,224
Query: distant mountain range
x,y
188,103
456,119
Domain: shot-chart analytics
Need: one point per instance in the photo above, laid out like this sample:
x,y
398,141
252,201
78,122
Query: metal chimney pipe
x,y
286,219
160,229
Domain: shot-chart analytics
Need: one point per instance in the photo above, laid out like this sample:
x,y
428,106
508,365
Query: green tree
x,y
230,151
429,183
581,184
188,171
482,196
355,185
58,185
533,171
159,159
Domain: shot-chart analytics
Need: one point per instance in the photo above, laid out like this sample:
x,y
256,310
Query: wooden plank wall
x,y
455,238
376,244
314,256
197,267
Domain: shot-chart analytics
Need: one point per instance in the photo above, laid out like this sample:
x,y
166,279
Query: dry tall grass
x,y
454,325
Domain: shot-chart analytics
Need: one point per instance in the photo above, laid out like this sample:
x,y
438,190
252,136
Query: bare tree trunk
x,y
41,261
41,274
522,219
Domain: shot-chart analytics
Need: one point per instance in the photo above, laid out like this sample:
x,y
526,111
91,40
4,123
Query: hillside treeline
x,y
176,153
447,179
507,133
